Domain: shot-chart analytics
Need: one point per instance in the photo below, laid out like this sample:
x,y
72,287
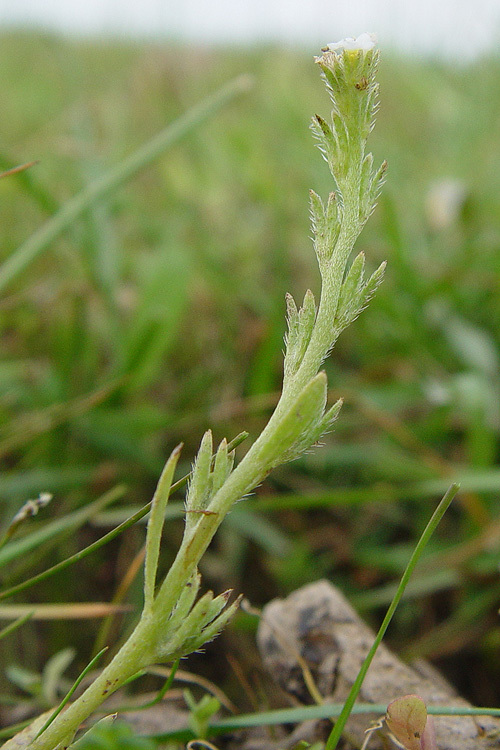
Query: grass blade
x,y
107,537
441,509
111,180
8,629
15,549
70,692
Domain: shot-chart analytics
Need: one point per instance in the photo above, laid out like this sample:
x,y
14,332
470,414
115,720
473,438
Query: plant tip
x,y
363,42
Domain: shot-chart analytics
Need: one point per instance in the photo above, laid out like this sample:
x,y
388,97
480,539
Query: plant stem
x,y
296,423
126,663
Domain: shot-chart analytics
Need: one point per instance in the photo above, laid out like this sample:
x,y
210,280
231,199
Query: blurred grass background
x,y
160,313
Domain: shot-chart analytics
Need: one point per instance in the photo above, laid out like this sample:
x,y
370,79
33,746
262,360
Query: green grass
x,y
159,312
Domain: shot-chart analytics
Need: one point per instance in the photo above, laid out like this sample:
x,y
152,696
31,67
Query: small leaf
x,y
354,297
317,213
333,223
406,718
291,338
330,417
184,604
339,160
326,226
213,629
293,321
372,285
324,134
371,184
222,467
377,182
351,287
365,201
311,436
293,433
333,217
305,318
204,622
199,491
215,607
155,526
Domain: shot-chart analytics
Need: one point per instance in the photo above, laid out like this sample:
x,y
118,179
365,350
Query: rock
x,y
316,629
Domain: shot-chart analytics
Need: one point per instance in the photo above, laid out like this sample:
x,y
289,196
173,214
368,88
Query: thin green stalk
x,y
327,710
8,629
300,714
436,517
160,694
126,663
71,691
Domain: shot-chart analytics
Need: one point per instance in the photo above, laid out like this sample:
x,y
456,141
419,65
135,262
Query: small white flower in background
x,y
362,42
443,203
31,508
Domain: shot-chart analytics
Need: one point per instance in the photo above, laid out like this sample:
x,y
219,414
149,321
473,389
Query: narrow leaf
x,y
199,485
222,467
317,213
330,416
307,315
155,526
15,625
184,604
351,287
212,630
333,220
70,692
302,416
436,517
324,134
293,321
372,285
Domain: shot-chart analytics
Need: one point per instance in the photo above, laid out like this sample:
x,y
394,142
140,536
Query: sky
x,y
457,28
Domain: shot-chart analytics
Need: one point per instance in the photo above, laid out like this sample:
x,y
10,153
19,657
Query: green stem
x,y
126,663
255,465
323,335
436,517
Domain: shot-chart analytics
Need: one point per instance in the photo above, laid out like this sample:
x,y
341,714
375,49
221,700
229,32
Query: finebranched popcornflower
x,y
174,622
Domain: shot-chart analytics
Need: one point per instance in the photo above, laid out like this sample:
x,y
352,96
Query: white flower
x,y
363,42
